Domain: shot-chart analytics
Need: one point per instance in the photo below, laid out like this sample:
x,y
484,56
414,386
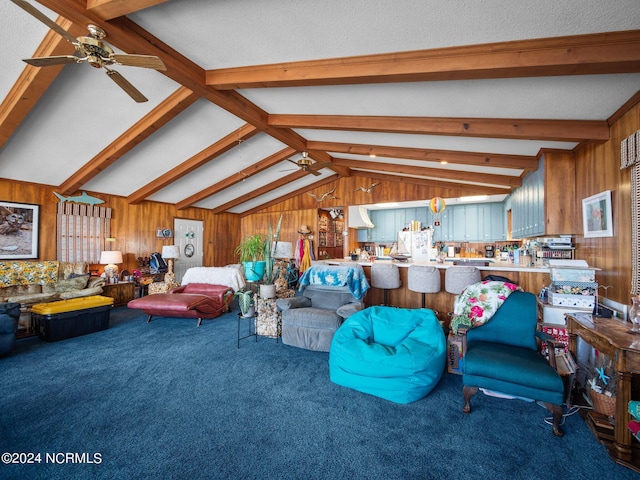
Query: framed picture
x,y
597,220
19,230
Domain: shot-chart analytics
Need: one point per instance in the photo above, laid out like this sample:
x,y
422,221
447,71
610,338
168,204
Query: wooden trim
x,y
465,188
526,163
611,52
522,129
438,173
108,9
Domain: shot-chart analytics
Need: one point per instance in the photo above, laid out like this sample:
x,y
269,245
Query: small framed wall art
x,y
19,230
597,219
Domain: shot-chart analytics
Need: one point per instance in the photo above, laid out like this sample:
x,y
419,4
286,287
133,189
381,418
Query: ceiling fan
x,y
307,165
97,53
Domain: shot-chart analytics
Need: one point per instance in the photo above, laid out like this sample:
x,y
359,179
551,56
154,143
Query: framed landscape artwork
x,y
19,230
597,220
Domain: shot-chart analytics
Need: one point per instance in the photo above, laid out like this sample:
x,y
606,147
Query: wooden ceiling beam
x,y
295,193
34,81
496,160
261,191
237,177
436,173
600,53
464,188
201,158
521,129
174,104
108,9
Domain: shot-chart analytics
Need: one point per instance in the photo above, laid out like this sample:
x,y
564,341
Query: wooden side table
x,y
612,338
121,292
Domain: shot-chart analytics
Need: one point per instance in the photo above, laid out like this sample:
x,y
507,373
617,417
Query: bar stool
x,y
458,277
385,276
424,279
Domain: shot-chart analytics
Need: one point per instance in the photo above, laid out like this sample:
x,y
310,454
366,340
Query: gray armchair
x,y
310,319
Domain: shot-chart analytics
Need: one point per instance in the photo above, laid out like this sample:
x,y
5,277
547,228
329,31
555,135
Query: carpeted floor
x,y
170,400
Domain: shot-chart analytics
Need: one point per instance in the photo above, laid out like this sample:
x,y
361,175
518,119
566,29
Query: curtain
x,y
82,231
630,158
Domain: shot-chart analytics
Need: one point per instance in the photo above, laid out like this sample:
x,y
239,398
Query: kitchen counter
x,y
530,279
494,265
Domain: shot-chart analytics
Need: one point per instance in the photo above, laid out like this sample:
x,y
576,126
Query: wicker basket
x,y
603,403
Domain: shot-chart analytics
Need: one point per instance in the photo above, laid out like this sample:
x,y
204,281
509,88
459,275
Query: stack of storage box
x,y
573,287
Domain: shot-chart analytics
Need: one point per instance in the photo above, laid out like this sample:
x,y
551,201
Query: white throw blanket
x,y
230,276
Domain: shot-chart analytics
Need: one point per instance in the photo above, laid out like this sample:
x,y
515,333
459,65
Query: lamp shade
x,y
170,251
283,250
108,257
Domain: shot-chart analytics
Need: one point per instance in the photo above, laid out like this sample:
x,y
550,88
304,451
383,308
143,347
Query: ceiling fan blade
x,y
132,91
46,20
312,171
144,61
50,61
292,161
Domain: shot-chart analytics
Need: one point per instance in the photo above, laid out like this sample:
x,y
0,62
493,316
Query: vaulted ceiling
x,y
462,94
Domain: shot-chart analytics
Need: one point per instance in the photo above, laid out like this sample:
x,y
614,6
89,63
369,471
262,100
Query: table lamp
x,y
170,253
110,259
283,250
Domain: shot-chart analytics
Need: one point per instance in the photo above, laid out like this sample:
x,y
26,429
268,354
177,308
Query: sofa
x,y
310,319
9,315
194,300
31,282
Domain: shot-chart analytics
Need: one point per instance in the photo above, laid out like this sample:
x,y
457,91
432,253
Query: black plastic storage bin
x,y
72,318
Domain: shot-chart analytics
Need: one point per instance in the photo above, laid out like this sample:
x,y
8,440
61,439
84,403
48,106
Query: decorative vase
x,y
268,291
634,314
254,271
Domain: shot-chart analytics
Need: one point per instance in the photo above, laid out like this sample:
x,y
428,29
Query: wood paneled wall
x,y
597,170
133,226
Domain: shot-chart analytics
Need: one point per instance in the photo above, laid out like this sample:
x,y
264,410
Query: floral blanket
x,y
479,302
335,276
27,273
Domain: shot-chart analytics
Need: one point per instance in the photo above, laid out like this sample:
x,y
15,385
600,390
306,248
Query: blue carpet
x,y
170,400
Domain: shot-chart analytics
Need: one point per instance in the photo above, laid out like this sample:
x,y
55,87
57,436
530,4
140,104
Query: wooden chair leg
x,y
468,392
556,411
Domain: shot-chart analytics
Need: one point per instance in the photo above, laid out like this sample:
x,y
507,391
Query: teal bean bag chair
x,y
393,353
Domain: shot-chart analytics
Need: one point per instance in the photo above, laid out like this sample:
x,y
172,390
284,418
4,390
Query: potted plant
x,y
268,288
245,302
251,252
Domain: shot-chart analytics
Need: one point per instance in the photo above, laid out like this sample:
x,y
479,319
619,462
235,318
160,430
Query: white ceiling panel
x,y
591,97
236,160
438,142
234,33
192,131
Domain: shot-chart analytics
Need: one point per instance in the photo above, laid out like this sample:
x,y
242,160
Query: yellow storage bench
x,y
71,318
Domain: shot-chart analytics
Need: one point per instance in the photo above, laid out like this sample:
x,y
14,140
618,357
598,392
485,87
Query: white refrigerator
x,y
418,244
